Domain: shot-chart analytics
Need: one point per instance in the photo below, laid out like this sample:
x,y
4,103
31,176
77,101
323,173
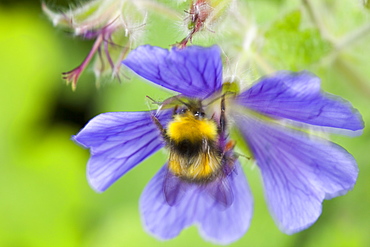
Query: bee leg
x,y
159,126
237,155
222,116
175,110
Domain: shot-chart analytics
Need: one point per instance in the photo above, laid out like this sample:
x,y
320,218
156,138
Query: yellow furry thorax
x,y
188,127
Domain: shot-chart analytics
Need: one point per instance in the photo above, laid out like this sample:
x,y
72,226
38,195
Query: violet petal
x,y
216,223
193,71
297,96
118,141
298,171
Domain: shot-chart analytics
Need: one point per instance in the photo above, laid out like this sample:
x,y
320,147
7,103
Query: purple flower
x,y
299,170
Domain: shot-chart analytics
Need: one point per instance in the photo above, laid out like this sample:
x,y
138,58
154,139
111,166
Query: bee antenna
x,y
160,104
153,101
183,102
219,97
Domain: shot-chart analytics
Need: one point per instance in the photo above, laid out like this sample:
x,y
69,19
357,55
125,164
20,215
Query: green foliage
x,y
289,46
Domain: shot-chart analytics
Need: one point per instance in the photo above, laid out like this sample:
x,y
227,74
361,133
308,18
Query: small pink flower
x,y
112,24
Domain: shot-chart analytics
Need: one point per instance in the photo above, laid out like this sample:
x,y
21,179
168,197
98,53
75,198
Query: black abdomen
x,y
187,148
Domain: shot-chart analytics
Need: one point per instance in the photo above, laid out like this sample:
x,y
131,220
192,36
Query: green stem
x,y
353,37
314,16
362,85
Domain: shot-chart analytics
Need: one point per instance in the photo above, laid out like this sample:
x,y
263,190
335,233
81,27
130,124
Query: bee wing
x,y
216,224
194,72
221,224
118,141
173,188
159,217
220,190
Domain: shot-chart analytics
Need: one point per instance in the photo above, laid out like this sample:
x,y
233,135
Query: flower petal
x,y
297,96
217,224
230,224
118,141
298,171
193,71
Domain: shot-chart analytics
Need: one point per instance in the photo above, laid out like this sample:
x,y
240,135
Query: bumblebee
x,y
198,151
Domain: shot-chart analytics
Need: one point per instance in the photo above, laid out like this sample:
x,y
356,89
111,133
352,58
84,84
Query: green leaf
x,y
289,46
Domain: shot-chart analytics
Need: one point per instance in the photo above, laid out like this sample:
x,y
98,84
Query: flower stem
x,y
353,37
352,76
73,75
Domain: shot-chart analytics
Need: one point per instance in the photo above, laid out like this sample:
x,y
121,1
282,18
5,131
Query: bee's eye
x,y
182,111
199,114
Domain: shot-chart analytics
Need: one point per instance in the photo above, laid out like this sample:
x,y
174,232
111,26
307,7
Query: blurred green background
x,y
45,198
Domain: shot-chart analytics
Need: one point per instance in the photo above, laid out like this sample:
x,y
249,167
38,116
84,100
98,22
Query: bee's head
x,y
195,112
192,108
183,106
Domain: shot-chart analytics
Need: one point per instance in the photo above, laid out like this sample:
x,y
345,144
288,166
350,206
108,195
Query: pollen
x,y
191,129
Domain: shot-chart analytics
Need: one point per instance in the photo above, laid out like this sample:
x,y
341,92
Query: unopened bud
x,y
203,14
